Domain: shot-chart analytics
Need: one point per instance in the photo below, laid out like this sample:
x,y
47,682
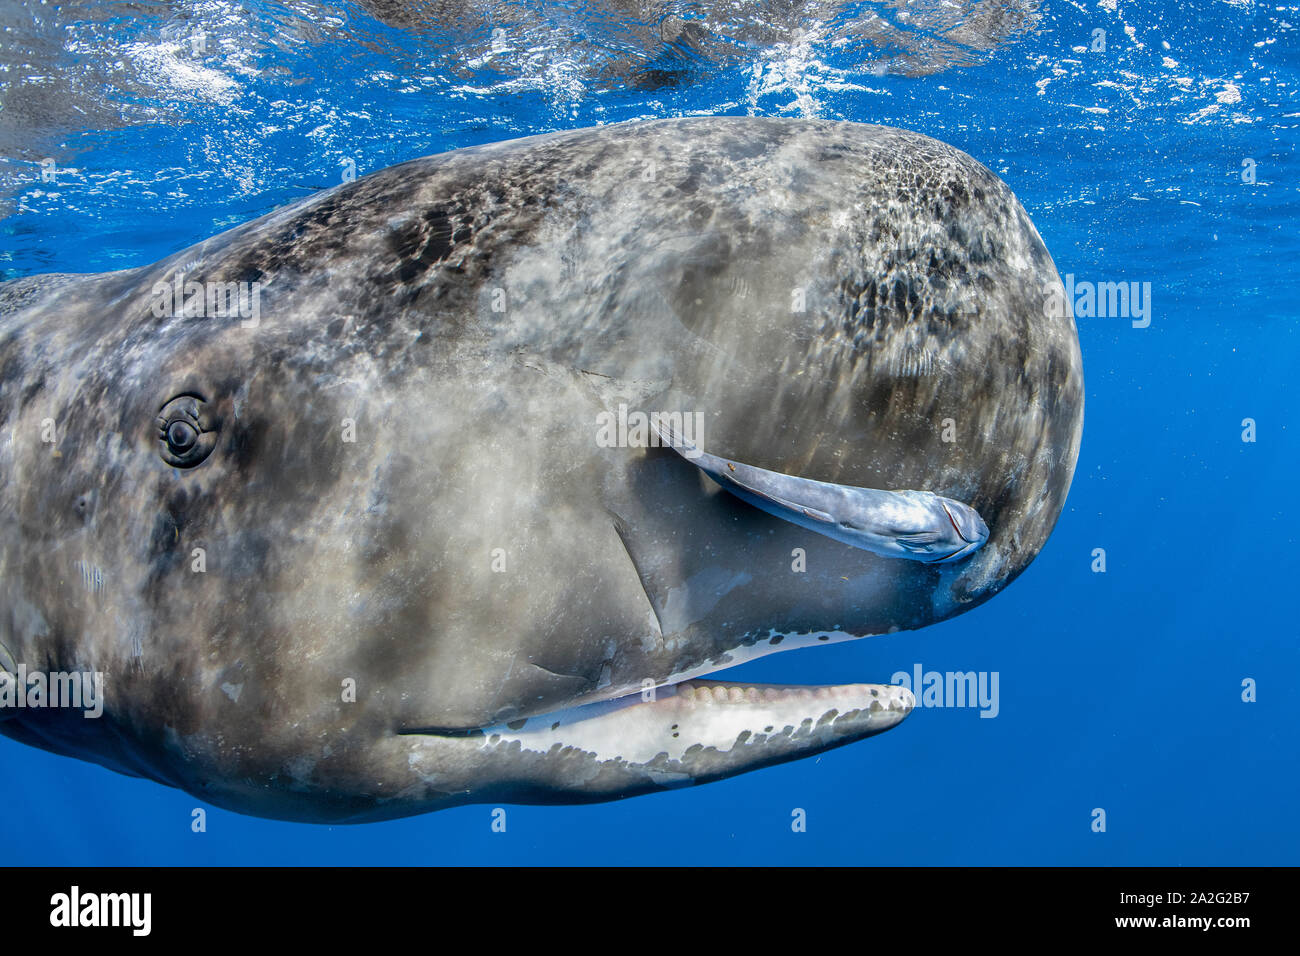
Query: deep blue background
x,y
1119,690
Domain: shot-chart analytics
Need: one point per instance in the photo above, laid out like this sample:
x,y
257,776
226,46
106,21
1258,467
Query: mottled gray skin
x,y
654,264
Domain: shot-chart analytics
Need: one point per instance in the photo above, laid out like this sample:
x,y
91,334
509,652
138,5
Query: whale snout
x,y
968,525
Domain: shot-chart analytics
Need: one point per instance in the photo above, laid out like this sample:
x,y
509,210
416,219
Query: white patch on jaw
x,y
712,715
738,655
232,691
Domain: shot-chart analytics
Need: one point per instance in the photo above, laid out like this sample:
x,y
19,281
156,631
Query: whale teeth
x,y
691,691
699,727
725,693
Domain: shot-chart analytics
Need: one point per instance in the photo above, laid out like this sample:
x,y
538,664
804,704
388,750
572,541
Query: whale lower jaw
x,y
700,730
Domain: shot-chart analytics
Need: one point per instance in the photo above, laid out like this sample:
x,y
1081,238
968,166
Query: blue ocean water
x,y
1160,151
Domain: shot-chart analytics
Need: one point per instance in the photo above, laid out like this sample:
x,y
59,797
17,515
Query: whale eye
x,y
187,431
181,436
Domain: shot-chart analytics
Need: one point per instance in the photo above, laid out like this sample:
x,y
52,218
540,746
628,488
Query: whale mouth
x,y
700,728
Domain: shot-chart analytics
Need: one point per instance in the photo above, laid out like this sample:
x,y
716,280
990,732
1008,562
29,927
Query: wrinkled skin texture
x,y
473,555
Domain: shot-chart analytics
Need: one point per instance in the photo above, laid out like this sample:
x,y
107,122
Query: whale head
x,y
358,551
327,576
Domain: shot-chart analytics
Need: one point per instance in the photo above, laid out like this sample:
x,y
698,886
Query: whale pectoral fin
x,y
918,543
